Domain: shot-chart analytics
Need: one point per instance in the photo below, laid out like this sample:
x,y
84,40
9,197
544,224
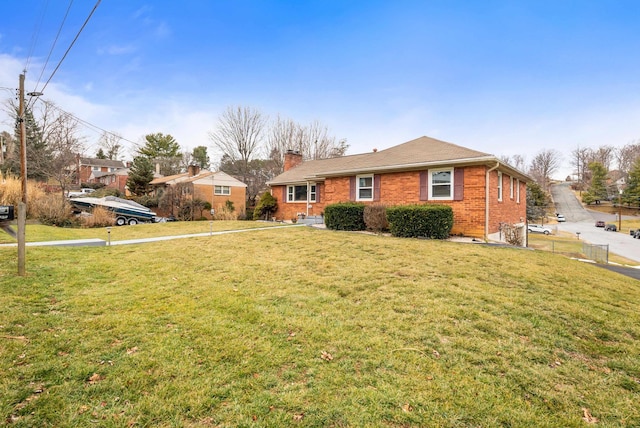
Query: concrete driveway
x,y
583,221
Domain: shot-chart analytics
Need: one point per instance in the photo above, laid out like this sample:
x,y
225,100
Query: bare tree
x,y
239,136
604,155
543,165
626,157
580,158
312,141
516,161
111,142
282,137
59,133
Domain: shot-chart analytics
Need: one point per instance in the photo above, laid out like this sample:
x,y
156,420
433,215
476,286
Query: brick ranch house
x,y
483,191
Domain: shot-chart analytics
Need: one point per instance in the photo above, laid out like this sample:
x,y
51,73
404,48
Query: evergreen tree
x,y
164,150
200,157
631,194
537,201
100,154
597,190
37,150
140,175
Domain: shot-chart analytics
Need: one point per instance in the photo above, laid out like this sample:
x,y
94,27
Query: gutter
x,y
486,202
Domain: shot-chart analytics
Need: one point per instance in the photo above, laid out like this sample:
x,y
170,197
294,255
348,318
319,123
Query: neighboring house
x,y
85,167
116,179
484,192
214,187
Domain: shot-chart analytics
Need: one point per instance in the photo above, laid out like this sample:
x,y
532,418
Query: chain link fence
x,y
597,253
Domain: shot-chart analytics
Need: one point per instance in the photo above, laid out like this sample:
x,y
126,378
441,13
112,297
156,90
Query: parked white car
x,y
81,192
560,218
537,228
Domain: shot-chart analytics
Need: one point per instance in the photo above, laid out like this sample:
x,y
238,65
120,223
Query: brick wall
x,y
205,192
403,188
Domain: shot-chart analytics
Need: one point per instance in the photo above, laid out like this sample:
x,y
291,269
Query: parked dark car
x,y
600,223
611,228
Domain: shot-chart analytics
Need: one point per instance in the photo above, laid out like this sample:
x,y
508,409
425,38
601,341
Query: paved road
x,y
583,221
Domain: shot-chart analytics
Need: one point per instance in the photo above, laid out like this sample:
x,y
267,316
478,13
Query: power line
x,y
87,124
35,35
54,44
71,45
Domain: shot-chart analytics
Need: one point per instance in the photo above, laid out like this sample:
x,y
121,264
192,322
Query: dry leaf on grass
x,y
326,356
407,408
436,354
132,350
588,418
298,416
95,378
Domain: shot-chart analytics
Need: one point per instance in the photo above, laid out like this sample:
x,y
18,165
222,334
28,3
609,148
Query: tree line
x,y
250,147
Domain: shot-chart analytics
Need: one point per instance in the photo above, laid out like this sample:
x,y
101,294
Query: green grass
x,y
306,327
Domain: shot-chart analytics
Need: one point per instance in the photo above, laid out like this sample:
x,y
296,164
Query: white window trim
x,y
510,187
221,192
499,186
358,177
291,193
314,193
518,191
430,185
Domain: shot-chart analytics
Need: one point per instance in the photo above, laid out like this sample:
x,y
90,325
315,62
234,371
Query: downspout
x,y
486,202
308,200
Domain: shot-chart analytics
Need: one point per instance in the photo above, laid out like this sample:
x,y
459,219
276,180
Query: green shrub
x,y
265,207
344,216
375,218
420,221
147,201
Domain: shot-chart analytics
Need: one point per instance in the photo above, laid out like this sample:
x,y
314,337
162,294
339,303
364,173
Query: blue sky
x,y
503,77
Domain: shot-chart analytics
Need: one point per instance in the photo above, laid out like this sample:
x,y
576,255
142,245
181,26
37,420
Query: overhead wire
x,y
53,45
71,45
35,36
86,123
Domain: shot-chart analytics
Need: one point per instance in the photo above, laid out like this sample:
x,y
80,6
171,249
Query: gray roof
x,y
110,163
421,153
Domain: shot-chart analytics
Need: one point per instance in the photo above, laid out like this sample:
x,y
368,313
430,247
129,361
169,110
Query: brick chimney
x,y
193,170
292,159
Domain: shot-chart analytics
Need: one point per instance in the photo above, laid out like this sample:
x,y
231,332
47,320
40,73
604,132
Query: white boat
x,y
126,211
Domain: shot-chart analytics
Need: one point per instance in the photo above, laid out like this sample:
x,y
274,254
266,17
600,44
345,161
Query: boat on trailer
x,y
126,211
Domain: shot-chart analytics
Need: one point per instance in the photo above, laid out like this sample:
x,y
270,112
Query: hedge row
x,y
406,221
344,216
420,221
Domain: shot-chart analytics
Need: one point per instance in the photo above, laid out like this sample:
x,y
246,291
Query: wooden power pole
x,y
22,206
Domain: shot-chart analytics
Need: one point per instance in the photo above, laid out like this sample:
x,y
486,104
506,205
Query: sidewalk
x,y
95,242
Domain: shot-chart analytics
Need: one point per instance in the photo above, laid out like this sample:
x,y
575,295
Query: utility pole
x,y
22,205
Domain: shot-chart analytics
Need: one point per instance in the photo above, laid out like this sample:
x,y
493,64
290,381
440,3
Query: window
x,y
441,184
95,168
365,188
312,193
222,190
518,191
510,187
499,186
299,193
